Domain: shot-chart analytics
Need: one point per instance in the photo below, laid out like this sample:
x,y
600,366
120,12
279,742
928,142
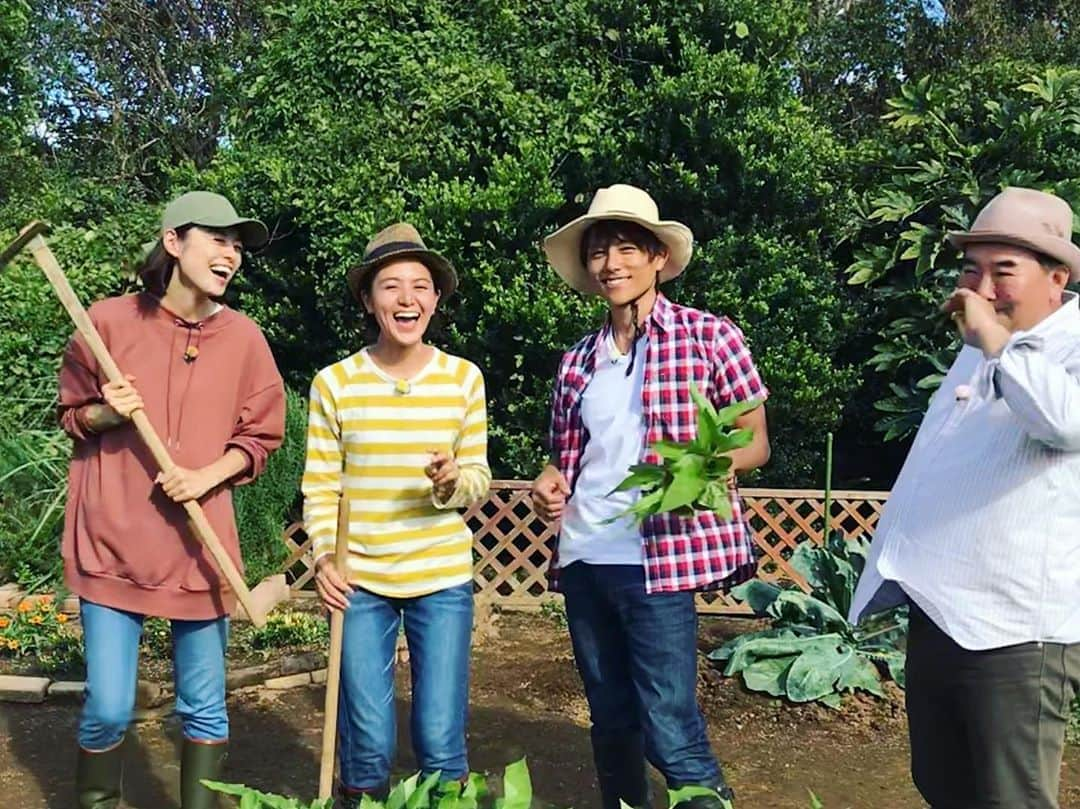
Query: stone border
x,y
11,596
151,697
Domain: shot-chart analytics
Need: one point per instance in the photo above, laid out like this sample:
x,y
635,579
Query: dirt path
x,y
526,699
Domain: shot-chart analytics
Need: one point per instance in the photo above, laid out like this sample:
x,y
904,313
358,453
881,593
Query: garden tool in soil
x,y
256,603
333,664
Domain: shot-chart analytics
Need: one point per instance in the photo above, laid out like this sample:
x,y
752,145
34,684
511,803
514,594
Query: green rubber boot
x,y
98,778
199,760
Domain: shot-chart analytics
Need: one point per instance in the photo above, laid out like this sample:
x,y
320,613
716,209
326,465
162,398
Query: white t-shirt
x,y
611,412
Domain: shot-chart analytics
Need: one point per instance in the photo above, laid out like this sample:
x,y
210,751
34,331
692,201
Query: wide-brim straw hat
x,y
626,203
1026,218
398,241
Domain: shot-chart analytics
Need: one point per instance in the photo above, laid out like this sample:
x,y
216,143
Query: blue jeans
x,y
438,628
637,656
111,638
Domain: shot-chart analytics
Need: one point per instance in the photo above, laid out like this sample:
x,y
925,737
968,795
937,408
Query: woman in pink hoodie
x,y
204,375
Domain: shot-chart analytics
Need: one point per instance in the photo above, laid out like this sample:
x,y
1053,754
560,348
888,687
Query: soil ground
x,y
526,700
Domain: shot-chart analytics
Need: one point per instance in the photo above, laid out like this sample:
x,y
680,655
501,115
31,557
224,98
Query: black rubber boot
x,y
620,770
350,798
199,760
98,778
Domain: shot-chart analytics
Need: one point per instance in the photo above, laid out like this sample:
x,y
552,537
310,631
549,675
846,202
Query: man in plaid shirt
x,y
630,589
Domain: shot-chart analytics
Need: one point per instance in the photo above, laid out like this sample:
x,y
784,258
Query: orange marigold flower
x,y
37,619
61,618
4,622
25,606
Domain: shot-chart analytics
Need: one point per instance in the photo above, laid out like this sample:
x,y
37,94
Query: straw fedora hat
x,y
398,241
1027,218
629,204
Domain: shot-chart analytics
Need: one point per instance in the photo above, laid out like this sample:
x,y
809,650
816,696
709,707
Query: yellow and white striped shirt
x,y
370,440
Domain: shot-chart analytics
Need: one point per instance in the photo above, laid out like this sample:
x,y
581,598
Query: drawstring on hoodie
x,y
189,355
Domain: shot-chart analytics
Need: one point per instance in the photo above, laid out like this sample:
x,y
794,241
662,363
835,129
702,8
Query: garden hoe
x,y
333,664
269,592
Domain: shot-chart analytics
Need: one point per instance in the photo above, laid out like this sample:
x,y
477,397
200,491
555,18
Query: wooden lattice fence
x,y
512,545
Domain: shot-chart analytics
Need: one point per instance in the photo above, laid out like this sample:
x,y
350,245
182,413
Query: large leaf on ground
x,y
769,675
804,559
517,787
894,662
722,653
828,571
780,645
816,671
757,593
420,798
797,607
861,674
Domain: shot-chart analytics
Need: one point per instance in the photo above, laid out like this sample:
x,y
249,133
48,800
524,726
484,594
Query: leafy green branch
x,y
693,475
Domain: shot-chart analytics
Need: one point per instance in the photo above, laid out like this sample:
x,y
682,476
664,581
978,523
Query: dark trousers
x,y
637,656
987,727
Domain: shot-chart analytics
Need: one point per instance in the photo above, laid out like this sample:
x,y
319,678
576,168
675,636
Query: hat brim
x,y
1061,249
253,233
442,271
563,248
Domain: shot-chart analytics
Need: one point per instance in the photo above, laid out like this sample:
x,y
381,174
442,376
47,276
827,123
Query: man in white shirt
x,y
981,534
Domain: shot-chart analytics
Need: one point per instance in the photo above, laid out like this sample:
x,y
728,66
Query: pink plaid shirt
x,y
685,345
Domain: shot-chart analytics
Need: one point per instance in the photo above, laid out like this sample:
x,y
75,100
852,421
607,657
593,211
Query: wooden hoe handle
x,y
333,664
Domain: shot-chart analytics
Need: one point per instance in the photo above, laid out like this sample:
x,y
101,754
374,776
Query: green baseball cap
x,y
211,210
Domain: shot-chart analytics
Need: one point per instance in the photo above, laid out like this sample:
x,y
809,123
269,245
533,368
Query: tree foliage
x,y
952,146
489,123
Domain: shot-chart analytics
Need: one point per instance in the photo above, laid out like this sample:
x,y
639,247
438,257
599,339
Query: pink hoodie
x,y
126,544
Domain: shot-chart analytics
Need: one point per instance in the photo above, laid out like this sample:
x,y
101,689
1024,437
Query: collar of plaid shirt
x,y
685,346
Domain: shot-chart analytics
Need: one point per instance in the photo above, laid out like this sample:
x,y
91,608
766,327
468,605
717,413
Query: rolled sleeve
x,y
260,429
78,387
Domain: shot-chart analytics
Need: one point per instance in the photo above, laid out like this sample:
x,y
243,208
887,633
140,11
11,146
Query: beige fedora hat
x,y
398,241
627,203
1027,218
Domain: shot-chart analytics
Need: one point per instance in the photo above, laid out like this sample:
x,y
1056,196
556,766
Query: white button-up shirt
x,y
982,529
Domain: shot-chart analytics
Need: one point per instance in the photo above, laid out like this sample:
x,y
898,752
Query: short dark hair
x,y
156,270
607,232
1048,262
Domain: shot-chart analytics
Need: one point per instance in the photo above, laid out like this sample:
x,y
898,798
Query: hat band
x,y
391,247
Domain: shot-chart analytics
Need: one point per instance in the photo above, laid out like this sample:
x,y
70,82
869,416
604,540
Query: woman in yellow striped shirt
x,y
399,431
